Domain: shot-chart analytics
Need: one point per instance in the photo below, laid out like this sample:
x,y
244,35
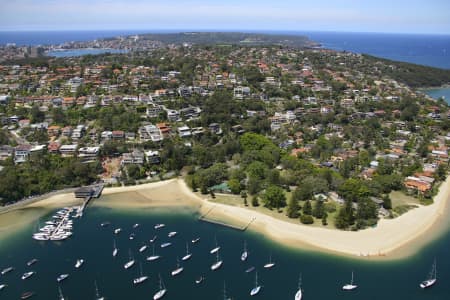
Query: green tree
x,y
319,209
244,196
325,219
293,209
306,219
307,208
235,186
255,201
274,197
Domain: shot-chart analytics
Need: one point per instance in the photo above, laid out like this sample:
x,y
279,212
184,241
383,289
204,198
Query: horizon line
x,y
168,30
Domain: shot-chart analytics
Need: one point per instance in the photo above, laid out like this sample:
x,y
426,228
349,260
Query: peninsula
x,y
321,147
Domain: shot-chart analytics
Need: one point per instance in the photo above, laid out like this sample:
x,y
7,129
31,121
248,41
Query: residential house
x,y
150,132
118,134
88,152
6,152
153,157
164,129
53,147
21,153
68,150
136,157
215,128
184,131
67,131
173,115
53,130
106,135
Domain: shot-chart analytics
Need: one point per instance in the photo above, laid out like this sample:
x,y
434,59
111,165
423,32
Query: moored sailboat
x,y
350,286
257,287
178,269
130,263
432,277
217,264
299,293
188,255
270,264
162,290
79,263
115,250
27,275
153,256
244,254
141,278
216,248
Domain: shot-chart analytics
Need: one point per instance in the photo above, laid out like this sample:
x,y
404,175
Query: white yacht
x,y
299,294
257,287
6,270
196,240
143,248
215,249
130,263
2,286
217,264
172,234
28,275
115,250
153,239
153,256
117,230
178,270
141,278
350,286
158,226
135,225
431,278
161,292
62,277
199,280
188,255
244,254
164,245
270,264
32,262
79,263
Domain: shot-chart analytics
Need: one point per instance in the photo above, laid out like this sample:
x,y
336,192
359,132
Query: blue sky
x,y
397,16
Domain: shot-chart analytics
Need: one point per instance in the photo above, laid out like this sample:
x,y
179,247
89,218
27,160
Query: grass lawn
x,y
400,199
236,200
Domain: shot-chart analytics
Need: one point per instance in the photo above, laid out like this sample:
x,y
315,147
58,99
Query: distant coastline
x,y
429,50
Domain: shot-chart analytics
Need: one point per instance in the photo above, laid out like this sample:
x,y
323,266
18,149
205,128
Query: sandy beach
x,y
392,238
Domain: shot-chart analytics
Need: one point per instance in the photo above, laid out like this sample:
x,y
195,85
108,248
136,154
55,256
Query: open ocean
x,y
322,275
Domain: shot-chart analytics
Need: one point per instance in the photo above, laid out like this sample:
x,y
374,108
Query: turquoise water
x,y
81,52
438,93
322,275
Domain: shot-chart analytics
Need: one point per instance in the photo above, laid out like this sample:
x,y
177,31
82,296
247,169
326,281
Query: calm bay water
x,y
322,275
439,93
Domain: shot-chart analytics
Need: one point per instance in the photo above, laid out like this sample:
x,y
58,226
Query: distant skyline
x,y
389,16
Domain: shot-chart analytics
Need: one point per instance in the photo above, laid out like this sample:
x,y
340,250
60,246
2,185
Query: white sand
x,y
389,236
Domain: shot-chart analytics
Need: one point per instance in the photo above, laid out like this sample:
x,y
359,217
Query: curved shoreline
x,y
391,239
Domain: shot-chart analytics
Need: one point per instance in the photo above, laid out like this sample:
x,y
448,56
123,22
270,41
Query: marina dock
x,y
88,193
